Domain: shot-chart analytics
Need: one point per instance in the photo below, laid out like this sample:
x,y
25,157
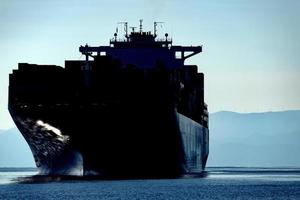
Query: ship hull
x,y
177,148
121,123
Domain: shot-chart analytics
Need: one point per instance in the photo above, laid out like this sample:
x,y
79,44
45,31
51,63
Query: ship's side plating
x,y
135,110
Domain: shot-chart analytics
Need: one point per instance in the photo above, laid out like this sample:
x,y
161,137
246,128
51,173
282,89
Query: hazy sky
x,y
250,48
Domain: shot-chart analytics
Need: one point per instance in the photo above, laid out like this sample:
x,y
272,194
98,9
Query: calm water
x,y
220,183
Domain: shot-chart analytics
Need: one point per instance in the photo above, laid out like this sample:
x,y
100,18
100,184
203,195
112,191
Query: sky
x,y
250,52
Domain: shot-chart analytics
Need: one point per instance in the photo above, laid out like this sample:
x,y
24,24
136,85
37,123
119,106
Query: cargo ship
x,y
131,109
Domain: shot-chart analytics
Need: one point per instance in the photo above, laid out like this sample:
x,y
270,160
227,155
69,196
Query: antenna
x,y
133,28
141,25
155,27
125,28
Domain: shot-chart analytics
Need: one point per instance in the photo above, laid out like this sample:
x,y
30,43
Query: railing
x,y
118,40
163,40
126,40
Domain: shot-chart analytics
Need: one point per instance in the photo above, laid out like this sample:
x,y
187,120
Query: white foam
x,y
49,128
55,130
74,168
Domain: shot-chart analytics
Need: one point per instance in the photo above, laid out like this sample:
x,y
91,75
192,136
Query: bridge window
x,y
178,55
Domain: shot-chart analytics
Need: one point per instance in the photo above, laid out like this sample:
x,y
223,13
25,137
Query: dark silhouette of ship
x,y
130,109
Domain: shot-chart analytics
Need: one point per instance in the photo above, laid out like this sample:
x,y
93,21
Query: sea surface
x,y
218,183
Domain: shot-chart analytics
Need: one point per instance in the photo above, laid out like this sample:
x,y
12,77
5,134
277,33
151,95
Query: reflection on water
x,y
240,173
219,183
12,175
20,175
29,175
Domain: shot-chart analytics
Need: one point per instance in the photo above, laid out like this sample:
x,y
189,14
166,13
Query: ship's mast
x,y
141,25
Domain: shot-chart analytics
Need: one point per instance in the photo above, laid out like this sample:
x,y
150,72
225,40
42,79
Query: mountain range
x,y
270,139
14,151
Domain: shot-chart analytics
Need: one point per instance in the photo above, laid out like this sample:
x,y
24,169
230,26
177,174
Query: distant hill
x,y
14,151
255,139
269,139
